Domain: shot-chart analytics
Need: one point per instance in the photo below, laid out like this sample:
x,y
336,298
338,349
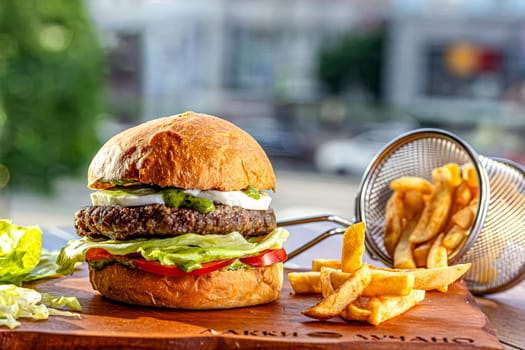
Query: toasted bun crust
x,y
188,150
216,290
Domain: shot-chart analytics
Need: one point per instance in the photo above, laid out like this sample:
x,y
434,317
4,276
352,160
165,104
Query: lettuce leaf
x,y
71,303
17,302
46,267
187,251
22,260
20,250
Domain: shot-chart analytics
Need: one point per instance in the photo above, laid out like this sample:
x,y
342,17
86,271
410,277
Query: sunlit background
x,y
322,85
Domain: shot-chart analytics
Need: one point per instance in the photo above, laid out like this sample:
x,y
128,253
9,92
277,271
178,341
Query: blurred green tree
x,y
51,76
354,59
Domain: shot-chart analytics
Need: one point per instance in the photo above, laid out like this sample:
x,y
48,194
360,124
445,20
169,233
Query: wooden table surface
x,y
449,321
505,310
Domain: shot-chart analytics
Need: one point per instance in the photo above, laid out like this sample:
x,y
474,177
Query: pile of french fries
x,y
357,291
425,222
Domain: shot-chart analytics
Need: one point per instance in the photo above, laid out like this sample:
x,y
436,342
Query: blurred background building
x,y
299,75
322,85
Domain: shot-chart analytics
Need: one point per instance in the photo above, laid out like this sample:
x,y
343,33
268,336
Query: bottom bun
x,y
222,289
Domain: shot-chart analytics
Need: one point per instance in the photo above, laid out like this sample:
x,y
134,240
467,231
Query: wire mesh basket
x,y
495,244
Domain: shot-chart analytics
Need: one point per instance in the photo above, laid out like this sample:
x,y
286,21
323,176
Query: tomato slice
x,y
156,268
97,254
265,258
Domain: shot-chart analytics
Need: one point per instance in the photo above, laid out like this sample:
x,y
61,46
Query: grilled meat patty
x,y
156,220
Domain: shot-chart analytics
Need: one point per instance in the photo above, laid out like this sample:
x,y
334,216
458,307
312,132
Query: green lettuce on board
x,y
22,260
20,250
18,302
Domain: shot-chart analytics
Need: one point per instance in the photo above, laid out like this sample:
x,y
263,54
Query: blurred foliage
x,y
51,75
354,60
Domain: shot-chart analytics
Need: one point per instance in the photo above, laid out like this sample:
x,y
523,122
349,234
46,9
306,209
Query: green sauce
x,y
237,265
120,182
252,192
173,197
123,191
100,264
176,198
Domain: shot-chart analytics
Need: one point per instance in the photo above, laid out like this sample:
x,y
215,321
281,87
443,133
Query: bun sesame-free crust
x,y
188,150
222,289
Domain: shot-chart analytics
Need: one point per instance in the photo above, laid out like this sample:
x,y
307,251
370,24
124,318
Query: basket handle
x,y
331,232
333,218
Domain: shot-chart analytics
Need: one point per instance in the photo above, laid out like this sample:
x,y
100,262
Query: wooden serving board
x,y
452,321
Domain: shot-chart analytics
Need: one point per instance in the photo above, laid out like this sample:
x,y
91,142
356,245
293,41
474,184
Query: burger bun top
x,y
188,150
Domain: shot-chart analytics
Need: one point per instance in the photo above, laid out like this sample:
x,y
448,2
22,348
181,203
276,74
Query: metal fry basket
x,y
495,244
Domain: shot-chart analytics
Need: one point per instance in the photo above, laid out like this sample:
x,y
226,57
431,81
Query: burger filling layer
x,y
203,201
175,232
182,255
157,220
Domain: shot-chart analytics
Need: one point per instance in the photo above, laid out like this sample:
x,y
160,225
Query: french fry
x,y
465,216
429,279
325,281
435,278
305,282
455,173
394,213
414,204
337,278
346,294
385,308
389,283
436,212
454,237
383,282
403,257
317,264
438,257
462,196
407,183
354,312
462,215
353,247
468,173
420,254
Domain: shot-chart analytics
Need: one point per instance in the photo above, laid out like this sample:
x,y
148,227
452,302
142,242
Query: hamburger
x,y
180,217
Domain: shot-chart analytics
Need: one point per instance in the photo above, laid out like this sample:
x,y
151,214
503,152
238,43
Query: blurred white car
x,y
352,156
